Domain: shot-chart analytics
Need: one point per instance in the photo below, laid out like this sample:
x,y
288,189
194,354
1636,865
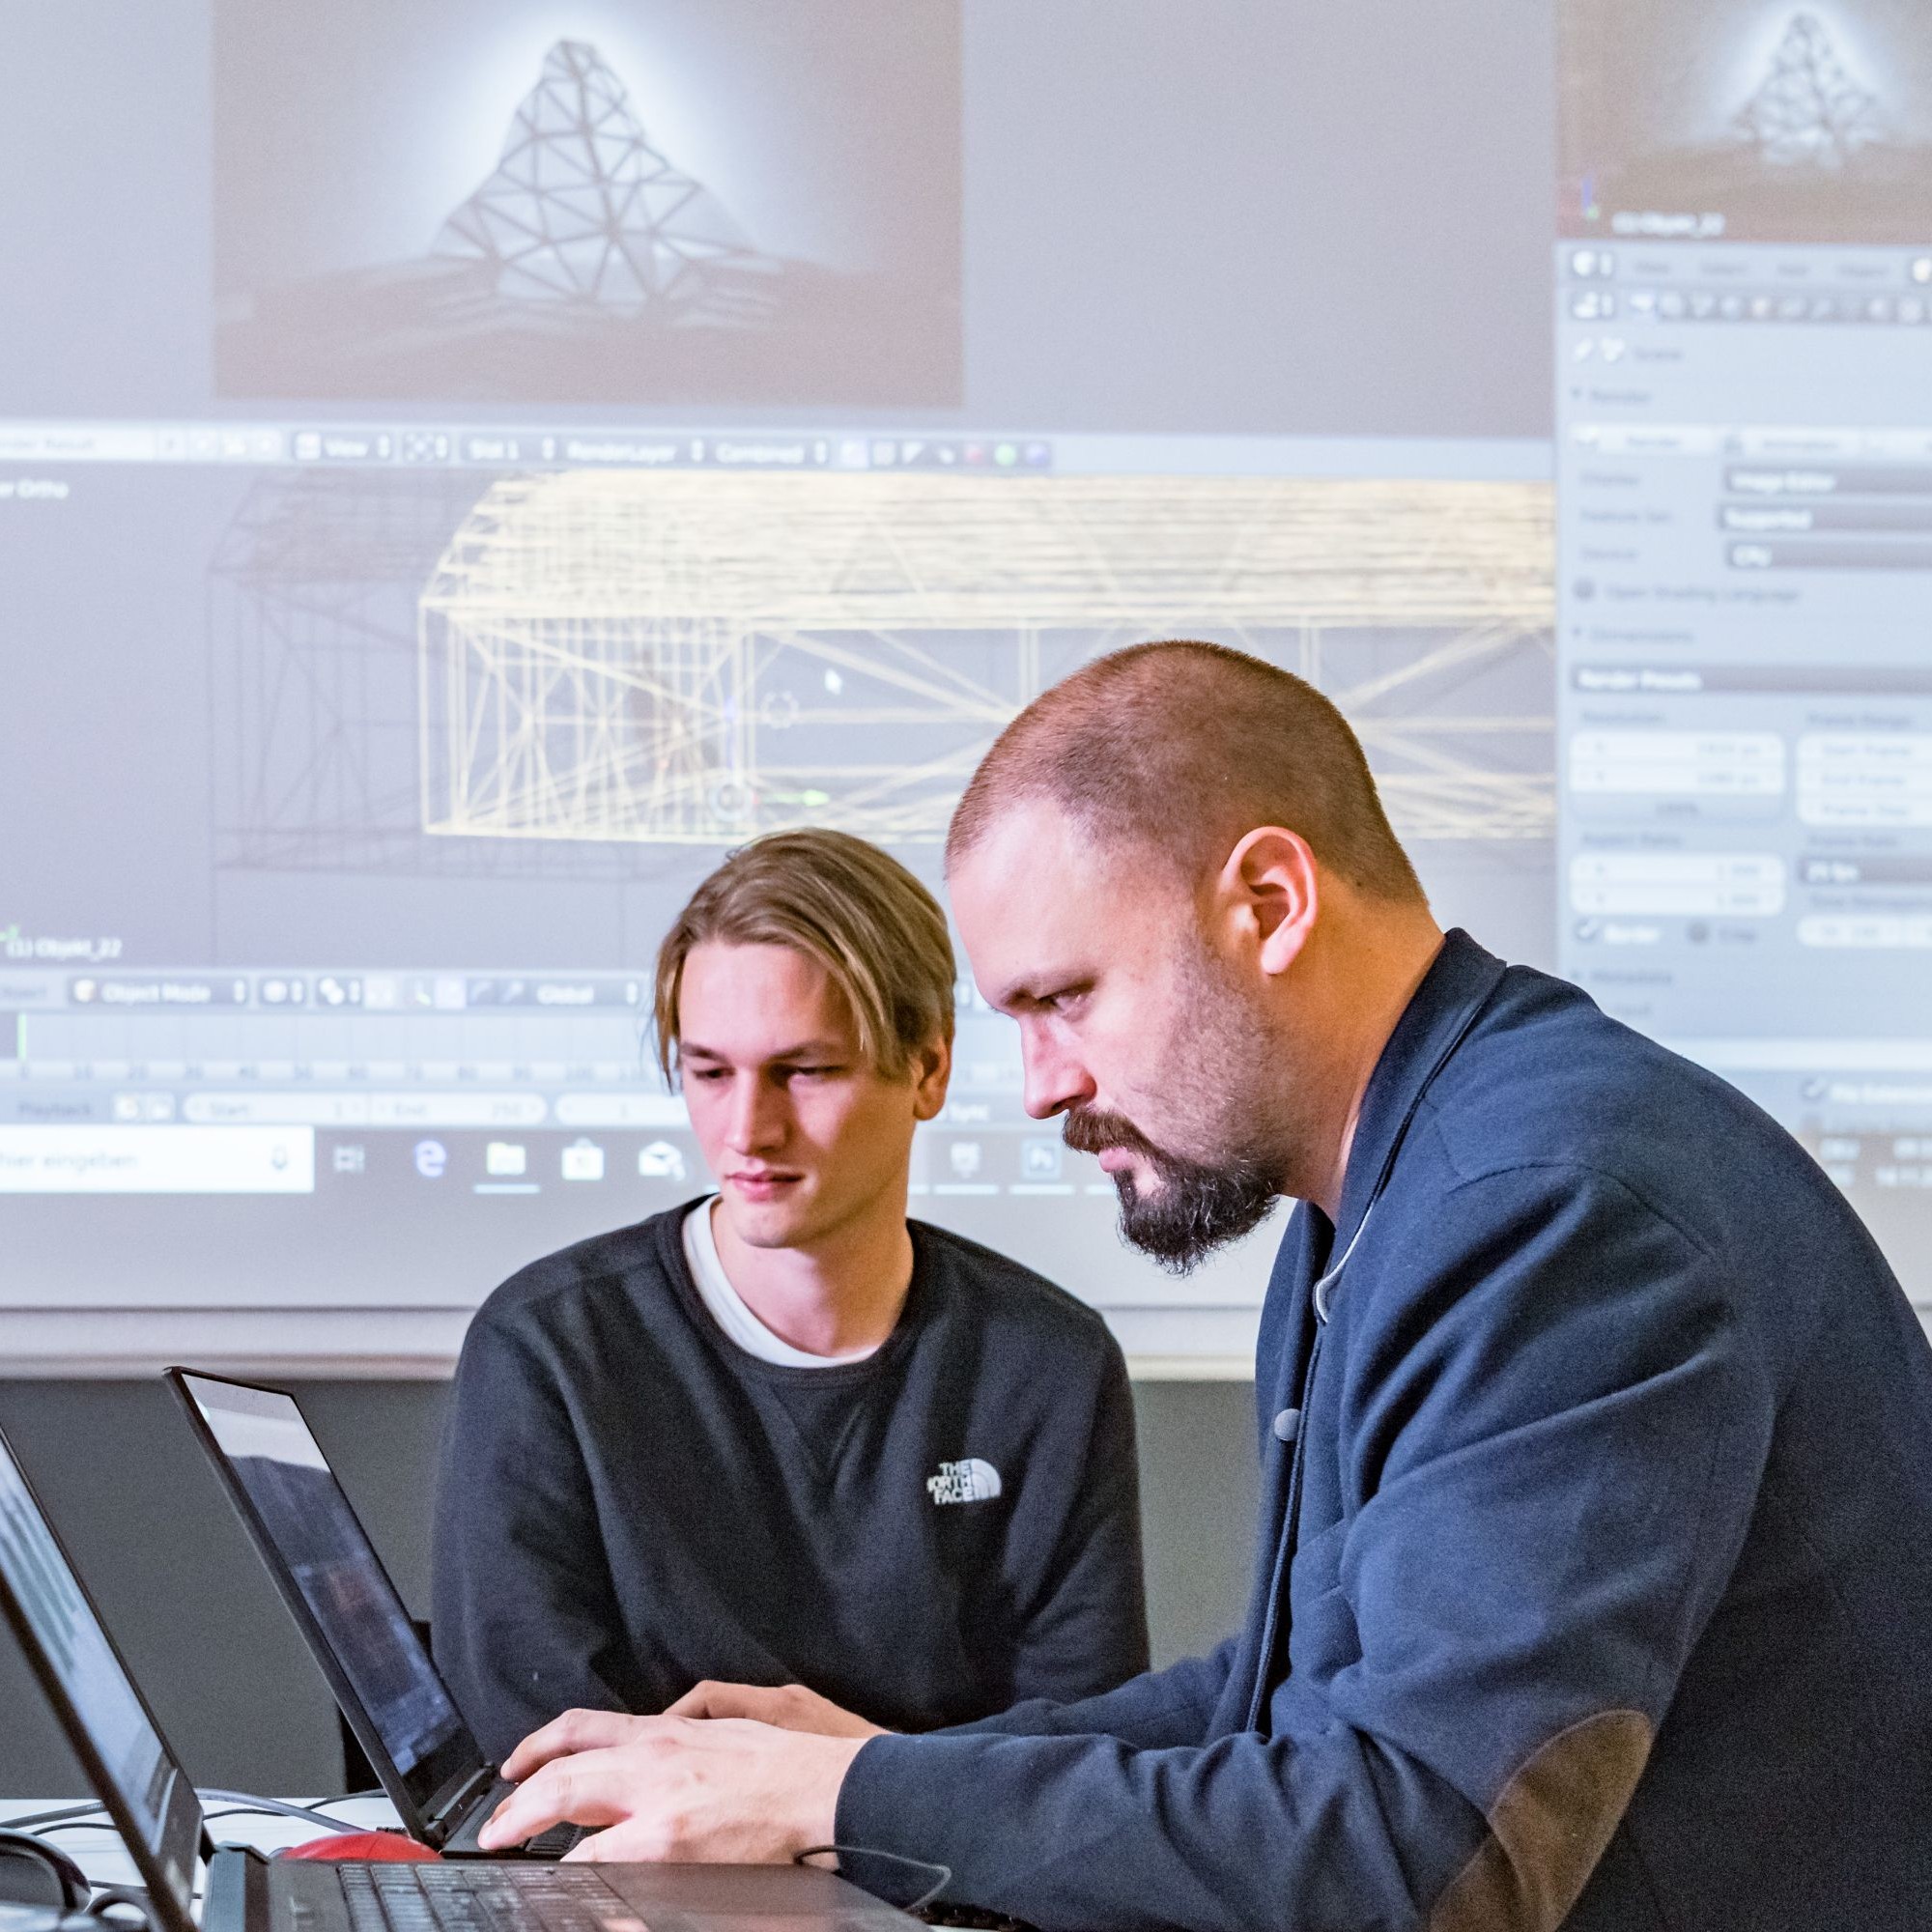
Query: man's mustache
x,y
1094,1131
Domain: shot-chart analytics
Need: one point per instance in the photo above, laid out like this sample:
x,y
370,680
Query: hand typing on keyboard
x,y
790,1707
724,1789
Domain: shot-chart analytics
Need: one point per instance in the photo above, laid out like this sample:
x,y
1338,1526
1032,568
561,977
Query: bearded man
x,y
1594,1552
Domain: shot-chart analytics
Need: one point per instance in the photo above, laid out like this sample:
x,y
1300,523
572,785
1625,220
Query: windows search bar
x,y
157,1161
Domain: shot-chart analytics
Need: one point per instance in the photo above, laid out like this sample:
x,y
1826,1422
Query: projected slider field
x,y
1867,932
1784,1054
369,1110
1865,779
1862,868
1802,518
621,1109
1829,479
1831,553
157,1161
1679,764
1684,885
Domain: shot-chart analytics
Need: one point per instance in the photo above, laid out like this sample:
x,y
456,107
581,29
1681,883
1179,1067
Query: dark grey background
x,y
202,1629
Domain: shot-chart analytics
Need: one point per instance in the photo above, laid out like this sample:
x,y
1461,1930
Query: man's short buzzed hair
x,y
1183,747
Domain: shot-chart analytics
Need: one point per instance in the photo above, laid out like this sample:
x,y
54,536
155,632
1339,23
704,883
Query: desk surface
x,y
95,1846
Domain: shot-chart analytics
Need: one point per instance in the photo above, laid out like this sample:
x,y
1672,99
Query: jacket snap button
x,y
1288,1425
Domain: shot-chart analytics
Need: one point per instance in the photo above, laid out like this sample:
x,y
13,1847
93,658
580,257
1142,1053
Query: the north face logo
x,y
971,1481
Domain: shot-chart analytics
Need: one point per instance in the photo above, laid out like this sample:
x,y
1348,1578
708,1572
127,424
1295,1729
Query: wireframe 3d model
x,y
581,208
617,655
588,266
1808,109
1826,138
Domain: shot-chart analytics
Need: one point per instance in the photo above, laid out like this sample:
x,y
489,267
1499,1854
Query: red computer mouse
x,y
365,1847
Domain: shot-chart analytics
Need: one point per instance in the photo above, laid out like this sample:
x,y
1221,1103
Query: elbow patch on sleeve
x,y
1550,1826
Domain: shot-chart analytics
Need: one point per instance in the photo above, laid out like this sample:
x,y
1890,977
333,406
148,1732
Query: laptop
x,y
349,1615
147,1793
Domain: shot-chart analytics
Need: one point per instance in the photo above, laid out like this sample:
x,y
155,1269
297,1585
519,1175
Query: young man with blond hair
x,y
782,1434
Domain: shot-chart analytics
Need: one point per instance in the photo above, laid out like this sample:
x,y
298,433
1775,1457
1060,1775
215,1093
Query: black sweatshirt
x,y
630,1502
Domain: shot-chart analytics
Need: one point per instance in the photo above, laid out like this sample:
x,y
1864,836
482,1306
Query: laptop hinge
x,y
237,1895
468,1791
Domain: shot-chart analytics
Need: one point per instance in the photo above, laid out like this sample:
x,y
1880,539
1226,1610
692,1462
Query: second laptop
x,y
351,1616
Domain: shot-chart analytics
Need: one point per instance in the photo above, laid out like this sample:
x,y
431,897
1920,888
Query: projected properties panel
x,y
1745,606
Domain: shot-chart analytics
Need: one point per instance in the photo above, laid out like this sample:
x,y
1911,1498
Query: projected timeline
x,y
282,1081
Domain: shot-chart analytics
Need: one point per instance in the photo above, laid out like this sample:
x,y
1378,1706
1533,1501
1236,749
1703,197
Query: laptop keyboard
x,y
483,1898
550,1844
558,1839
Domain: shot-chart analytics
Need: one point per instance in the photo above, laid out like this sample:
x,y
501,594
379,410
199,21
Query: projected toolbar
x,y
522,447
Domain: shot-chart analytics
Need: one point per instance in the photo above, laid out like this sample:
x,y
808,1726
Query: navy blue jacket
x,y
1596,1587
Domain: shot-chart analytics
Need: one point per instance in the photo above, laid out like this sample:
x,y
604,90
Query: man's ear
x,y
932,1070
1270,889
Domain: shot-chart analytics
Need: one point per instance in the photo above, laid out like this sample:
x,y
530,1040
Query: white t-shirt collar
x,y
727,1307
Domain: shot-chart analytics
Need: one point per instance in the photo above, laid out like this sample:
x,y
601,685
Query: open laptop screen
x,y
94,1698
318,1542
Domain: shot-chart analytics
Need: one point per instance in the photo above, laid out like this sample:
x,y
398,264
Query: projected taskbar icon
x,y
1006,1160
505,1166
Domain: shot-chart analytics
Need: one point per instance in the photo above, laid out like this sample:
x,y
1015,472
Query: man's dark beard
x,y
1200,1207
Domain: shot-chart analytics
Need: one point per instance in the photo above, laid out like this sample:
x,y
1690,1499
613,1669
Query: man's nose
x,y
1055,1079
756,1120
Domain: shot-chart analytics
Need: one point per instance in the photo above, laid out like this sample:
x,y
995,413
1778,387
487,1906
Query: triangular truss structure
x,y
1808,111
640,657
582,209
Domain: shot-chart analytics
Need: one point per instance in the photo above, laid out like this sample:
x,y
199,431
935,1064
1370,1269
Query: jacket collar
x,y
1440,1011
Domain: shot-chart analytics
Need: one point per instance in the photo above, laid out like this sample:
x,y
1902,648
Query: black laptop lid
x,y
127,1761
335,1586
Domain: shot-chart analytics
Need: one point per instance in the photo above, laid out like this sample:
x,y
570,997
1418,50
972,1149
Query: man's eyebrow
x,y
808,1049
1026,991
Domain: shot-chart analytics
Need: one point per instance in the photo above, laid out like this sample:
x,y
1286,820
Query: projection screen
x,y
465,467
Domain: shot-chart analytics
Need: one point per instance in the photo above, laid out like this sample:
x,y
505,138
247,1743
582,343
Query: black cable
x,y
52,1817
108,1824
241,1800
107,1896
925,1898
247,1800
233,1804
